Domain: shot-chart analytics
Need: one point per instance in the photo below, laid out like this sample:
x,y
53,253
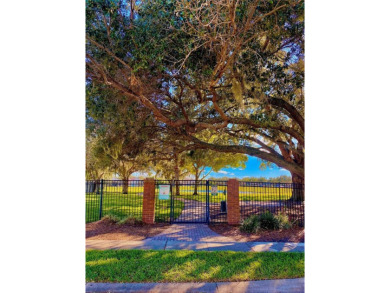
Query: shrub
x,y
110,218
283,221
265,221
130,220
250,225
268,221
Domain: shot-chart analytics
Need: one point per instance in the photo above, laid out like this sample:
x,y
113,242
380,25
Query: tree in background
x,y
171,167
123,164
96,168
122,131
201,163
280,179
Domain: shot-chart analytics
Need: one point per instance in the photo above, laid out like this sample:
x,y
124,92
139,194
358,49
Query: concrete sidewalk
x,y
195,245
269,286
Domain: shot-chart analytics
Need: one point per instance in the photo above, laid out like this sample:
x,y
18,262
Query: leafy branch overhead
x,y
229,69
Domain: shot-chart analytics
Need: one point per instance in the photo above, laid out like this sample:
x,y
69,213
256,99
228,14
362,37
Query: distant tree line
x,y
281,179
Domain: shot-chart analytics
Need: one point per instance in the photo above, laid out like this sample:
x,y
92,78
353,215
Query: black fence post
x,y
280,200
207,202
171,212
101,199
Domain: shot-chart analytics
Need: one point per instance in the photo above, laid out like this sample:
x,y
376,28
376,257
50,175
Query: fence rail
x,y
193,201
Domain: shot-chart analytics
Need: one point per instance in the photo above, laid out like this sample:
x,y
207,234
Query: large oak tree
x,y
231,67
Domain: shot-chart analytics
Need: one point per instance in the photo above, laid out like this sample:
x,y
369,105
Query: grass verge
x,y
190,266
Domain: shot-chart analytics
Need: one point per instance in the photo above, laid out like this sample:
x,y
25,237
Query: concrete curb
x,y
264,286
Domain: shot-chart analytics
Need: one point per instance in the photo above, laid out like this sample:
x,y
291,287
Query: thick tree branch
x,y
281,162
293,113
109,52
255,140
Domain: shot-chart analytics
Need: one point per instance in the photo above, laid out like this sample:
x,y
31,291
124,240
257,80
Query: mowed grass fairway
x,y
190,266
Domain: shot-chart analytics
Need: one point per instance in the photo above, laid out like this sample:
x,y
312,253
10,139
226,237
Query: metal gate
x,y
191,201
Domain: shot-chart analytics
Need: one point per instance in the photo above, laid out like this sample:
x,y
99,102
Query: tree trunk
x,y
177,188
196,188
96,186
177,174
125,185
196,184
298,193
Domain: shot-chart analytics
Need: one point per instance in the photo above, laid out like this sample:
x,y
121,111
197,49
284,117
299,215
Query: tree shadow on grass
x,y
187,266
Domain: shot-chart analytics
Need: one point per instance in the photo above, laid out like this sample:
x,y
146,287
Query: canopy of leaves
x,y
234,68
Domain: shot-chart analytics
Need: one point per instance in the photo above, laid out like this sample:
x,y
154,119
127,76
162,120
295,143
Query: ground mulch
x,y
108,230
295,234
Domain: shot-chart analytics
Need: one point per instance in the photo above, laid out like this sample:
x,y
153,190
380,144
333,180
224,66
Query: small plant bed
x,y
295,234
265,227
190,266
110,228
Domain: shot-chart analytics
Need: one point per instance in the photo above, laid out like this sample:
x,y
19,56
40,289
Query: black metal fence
x,y
258,197
163,206
190,201
218,201
119,198
187,201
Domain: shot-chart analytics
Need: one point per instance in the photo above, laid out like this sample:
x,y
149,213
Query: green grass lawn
x,y
163,209
190,266
124,205
246,193
118,189
117,204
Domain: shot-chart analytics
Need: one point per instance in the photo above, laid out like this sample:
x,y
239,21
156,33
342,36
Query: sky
x,y
252,169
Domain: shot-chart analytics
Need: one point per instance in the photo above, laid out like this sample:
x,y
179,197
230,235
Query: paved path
x,y
195,245
194,211
190,232
194,237
269,286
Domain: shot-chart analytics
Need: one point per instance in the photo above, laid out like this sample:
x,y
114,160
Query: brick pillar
x,y
233,202
148,201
